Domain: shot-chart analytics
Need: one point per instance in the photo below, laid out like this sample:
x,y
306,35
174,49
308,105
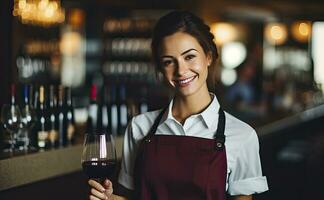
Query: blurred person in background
x,y
191,149
242,95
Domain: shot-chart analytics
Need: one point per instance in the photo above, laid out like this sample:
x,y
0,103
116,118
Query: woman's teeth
x,y
185,81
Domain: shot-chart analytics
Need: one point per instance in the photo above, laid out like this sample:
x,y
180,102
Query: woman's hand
x,y
98,191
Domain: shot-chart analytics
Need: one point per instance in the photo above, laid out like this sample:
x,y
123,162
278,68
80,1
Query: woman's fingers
x,y
98,194
99,191
96,185
93,198
108,186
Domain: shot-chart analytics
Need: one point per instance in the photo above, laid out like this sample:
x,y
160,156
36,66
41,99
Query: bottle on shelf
x,y
98,118
106,119
114,113
61,116
53,126
122,114
42,130
92,110
28,119
69,117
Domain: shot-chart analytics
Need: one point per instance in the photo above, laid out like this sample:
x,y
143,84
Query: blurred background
x,y
270,73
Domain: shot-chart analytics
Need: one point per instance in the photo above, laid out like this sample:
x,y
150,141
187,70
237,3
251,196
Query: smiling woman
x,y
184,64
190,149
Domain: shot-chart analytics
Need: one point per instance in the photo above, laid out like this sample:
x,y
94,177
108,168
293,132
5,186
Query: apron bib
x,y
171,167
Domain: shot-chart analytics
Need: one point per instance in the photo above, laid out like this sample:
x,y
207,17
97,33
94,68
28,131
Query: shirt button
x,y
219,145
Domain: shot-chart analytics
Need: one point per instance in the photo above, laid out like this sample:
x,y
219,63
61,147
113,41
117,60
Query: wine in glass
x,y
98,157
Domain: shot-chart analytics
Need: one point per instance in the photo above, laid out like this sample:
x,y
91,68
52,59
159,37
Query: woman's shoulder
x,y
142,123
240,136
148,117
237,127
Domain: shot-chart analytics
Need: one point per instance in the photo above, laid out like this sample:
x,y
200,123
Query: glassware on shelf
x,y
10,118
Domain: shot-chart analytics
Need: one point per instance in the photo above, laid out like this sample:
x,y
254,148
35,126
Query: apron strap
x,y
155,125
220,133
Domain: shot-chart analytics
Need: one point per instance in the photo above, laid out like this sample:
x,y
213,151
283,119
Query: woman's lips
x,y
184,82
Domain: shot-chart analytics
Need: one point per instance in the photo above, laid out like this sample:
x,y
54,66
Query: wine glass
x,y
98,156
10,118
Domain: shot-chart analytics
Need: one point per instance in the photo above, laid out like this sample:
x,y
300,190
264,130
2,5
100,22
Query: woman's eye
x,y
166,62
189,57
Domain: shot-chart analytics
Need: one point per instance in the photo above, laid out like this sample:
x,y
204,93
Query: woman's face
x,y
184,64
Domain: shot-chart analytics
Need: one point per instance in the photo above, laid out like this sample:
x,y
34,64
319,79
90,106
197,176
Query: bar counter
x,y
27,169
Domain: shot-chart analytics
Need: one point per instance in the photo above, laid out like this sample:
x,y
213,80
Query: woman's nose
x,y
181,68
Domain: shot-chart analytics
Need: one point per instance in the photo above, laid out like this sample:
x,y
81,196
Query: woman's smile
x,y
183,82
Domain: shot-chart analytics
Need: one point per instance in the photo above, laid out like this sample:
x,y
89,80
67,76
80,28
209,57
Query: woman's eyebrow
x,y
188,51
167,56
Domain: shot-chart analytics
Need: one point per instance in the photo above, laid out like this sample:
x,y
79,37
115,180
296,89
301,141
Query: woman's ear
x,y
209,58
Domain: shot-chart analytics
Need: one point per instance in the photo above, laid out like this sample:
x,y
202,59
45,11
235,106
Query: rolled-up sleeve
x,y
246,176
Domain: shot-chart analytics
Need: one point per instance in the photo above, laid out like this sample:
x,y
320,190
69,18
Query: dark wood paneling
x,y
5,49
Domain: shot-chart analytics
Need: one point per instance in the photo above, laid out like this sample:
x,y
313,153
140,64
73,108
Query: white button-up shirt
x,y
244,173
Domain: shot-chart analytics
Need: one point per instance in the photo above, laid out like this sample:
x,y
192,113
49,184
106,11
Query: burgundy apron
x,y
172,167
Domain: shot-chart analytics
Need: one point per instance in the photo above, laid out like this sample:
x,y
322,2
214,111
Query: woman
x,y
191,149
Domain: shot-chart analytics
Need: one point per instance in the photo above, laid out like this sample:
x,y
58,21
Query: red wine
x,y
99,169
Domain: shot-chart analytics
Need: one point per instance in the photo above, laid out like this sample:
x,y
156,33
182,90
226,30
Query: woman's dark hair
x,y
189,23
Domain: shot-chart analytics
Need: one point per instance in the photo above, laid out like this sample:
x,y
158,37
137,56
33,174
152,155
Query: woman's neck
x,y
185,106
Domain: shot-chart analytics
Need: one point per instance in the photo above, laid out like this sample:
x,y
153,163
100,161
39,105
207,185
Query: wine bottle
x,y
42,123
28,120
53,126
122,121
92,110
69,117
106,120
61,116
114,113
11,123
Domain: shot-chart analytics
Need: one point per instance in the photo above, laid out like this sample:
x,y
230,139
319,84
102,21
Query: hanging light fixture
x,y
301,31
276,33
39,12
223,32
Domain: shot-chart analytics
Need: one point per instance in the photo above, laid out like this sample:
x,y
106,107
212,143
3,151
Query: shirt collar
x,y
211,111
208,115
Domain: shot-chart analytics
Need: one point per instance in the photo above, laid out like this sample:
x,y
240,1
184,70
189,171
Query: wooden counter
x,y
22,170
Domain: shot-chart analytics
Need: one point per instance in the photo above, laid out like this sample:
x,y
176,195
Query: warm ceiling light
x,y
301,31
223,32
39,12
233,54
276,33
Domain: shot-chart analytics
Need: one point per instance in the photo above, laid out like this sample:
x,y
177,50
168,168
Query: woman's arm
x,y
241,197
